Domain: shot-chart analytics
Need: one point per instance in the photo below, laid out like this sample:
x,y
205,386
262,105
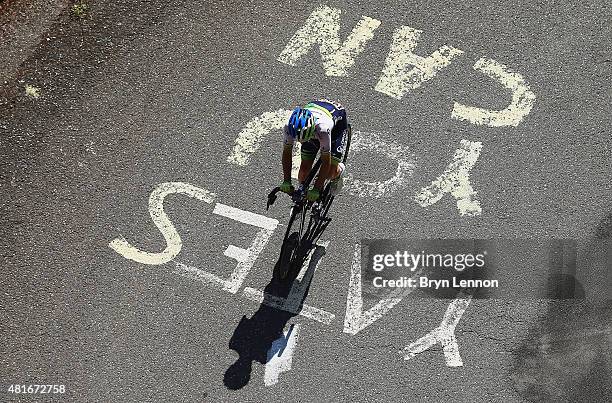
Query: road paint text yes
x,y
355,318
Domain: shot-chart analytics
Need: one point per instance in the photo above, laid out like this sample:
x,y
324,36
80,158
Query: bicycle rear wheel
x,y
326,197
347,143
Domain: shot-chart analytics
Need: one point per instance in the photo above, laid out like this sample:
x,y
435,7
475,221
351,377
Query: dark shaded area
x,y
568,356
253,337
562,283
80,49
604,229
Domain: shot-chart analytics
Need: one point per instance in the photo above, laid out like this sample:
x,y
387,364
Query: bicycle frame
x,y
307,235
318,210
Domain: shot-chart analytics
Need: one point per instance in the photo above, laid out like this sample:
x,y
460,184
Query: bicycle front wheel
x,y
291,242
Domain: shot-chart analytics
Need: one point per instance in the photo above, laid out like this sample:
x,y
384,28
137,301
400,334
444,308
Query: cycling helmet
x,y
301,124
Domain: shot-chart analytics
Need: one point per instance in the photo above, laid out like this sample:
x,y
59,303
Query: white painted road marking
x,y
296,294
249,139
395,81
280,355
520,106
245,217
245,257
31,91
456,180
443,334
162,222
365,141
307,311
355,320
322,27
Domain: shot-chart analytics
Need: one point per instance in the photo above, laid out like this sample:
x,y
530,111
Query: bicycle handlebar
x,y
298,198
272,197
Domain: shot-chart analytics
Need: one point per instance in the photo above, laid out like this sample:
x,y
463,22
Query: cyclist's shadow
x,y
253,338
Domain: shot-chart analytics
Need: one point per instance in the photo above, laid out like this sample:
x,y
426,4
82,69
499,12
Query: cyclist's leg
x,y
305,167
337,182
338,140
340,168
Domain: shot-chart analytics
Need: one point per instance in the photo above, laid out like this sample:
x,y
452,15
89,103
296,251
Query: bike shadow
x,y
253,337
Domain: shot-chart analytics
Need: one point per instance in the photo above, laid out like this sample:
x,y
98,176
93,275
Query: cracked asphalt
x,y
141,93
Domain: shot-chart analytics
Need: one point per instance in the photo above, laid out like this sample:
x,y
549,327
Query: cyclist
x,y
318,125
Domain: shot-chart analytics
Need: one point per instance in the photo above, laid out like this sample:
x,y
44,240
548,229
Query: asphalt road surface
x,y
137,252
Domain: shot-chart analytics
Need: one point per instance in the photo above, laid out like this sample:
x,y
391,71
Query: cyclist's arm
x,y
287,159
324,137
287,154
325,171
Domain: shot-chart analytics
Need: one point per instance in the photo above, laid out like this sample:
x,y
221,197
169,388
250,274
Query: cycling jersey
x,y
330,125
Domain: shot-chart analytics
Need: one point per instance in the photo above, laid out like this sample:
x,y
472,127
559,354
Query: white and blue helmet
x,y
301,124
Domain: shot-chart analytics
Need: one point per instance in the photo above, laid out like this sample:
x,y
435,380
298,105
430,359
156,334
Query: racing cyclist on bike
x,y
318,125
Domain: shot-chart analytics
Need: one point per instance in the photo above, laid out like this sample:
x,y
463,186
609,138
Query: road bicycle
x,y
307,221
